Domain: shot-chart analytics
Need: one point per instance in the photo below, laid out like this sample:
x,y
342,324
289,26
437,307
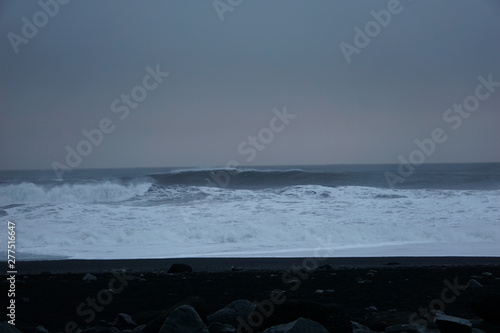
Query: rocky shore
x,y
305,298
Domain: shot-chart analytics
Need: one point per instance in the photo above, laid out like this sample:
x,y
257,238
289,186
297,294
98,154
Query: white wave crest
x,y
30,193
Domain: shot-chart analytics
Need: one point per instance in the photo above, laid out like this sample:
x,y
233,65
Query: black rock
x,y
144,317
139,329
379,320
230,313
5,327
358,328
487,307
180,268
485,326
102,329
41,329
221,328
124,321
301,325
325,268
473,284
184,319
332,317
405,328
198,303
89,277
154,325
449,324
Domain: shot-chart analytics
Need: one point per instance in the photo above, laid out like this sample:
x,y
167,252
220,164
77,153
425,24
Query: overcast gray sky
x,y
226,77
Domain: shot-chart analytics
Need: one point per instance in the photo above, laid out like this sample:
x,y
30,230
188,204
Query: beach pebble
x,y
371,308
487,274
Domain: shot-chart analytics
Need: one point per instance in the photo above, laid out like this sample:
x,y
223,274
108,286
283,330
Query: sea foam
x,y
149,220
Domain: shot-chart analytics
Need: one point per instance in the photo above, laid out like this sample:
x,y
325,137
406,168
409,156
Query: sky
x,y
241,82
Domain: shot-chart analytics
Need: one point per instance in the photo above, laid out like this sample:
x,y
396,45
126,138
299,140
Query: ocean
x,y
286,211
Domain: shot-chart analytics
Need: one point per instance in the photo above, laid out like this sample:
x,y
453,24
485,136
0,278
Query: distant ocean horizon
x,y
267,211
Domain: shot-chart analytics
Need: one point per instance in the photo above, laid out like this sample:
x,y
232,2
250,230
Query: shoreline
x,y
247,264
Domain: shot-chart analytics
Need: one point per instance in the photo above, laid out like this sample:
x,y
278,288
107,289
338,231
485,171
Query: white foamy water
x,y
106,220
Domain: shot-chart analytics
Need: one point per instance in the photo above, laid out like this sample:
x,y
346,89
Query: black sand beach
x,y
372,291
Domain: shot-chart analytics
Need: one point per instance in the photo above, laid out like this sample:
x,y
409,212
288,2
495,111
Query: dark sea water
x,y
258,211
